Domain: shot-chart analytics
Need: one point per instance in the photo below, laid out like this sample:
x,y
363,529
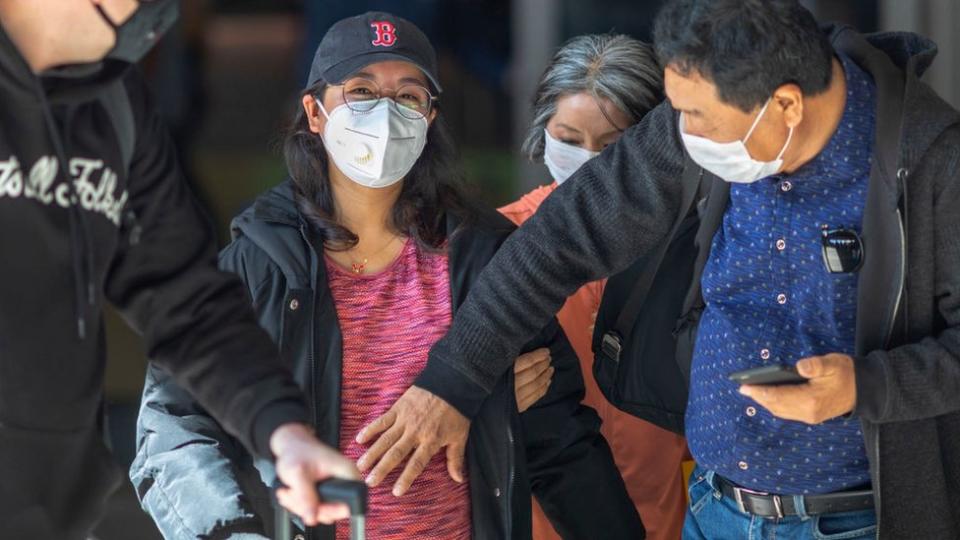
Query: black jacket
x,y
132,237
195,480
622,205
638,374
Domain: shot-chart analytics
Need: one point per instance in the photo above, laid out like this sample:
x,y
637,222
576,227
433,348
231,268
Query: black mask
x,y
143,29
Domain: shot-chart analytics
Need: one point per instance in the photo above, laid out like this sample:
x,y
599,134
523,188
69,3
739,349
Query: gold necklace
x,y
361,267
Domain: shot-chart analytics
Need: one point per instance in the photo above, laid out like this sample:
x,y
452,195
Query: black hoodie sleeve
x,y
195,319
616,208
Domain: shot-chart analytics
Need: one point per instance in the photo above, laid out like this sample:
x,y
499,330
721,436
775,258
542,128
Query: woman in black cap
x,y
356,266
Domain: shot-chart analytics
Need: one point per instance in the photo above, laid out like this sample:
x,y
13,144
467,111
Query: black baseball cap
x,y
356,42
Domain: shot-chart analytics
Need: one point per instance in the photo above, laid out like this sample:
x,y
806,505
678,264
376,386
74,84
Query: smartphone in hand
x,y
768,375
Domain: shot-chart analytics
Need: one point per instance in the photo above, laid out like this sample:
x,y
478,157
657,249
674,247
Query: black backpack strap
x,y
117,103
711,217
612,343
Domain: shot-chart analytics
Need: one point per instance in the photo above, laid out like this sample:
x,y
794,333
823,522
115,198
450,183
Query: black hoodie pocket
x,y
55,483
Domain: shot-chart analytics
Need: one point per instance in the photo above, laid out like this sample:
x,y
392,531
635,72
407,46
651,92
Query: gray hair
x,y
618,68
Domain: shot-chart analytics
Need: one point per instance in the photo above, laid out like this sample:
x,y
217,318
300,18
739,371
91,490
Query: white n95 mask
x,y
731,161
376,148
563,159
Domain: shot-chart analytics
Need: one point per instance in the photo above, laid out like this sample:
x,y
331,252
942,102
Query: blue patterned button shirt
x,y
771,300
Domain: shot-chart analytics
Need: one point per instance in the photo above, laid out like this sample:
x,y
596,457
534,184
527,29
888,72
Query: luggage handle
x,y
353,493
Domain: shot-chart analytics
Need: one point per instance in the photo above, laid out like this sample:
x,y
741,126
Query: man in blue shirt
x,y
769,300
799,170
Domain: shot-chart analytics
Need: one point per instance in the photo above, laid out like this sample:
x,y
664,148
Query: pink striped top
x,y
389,321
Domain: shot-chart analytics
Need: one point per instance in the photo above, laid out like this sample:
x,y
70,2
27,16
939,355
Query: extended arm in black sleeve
x,y
616,208
195,319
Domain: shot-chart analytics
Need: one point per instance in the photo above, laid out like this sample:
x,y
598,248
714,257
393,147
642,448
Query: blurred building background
x,y
228,81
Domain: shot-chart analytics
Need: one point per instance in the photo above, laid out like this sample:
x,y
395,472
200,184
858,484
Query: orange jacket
x,y
648,457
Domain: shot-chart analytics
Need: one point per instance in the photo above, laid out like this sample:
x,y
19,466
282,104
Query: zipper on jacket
x,y
876,488
311,359
902,216
902,278
890,329
314,407
308,533
902,177
508,496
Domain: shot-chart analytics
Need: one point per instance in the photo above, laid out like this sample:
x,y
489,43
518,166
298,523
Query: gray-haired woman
x,y
596,87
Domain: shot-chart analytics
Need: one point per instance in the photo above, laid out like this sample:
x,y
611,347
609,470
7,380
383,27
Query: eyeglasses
x,y
842,250
362,95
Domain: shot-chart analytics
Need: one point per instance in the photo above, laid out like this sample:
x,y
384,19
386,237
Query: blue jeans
x,y
711,516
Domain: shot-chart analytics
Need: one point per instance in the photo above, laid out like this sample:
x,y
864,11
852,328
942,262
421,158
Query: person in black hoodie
x,y
93,209
355,267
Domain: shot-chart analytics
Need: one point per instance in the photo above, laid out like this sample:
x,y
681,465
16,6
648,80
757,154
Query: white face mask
x,y
564,159
376,148
731,161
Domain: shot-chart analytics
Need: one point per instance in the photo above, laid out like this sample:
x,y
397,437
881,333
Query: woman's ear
x,y
315,117
432,116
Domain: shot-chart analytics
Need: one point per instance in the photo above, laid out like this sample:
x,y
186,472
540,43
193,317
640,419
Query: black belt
x,y
769,505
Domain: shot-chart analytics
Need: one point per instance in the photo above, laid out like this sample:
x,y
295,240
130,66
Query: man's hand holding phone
x,y
821,388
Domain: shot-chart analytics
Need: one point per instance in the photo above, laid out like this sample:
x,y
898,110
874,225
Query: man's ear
x,y
789,99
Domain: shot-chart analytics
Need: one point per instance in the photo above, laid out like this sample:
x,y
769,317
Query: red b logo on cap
x,y
386,33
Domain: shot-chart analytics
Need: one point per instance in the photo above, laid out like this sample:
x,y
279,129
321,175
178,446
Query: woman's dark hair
x,y
747,48
432,189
